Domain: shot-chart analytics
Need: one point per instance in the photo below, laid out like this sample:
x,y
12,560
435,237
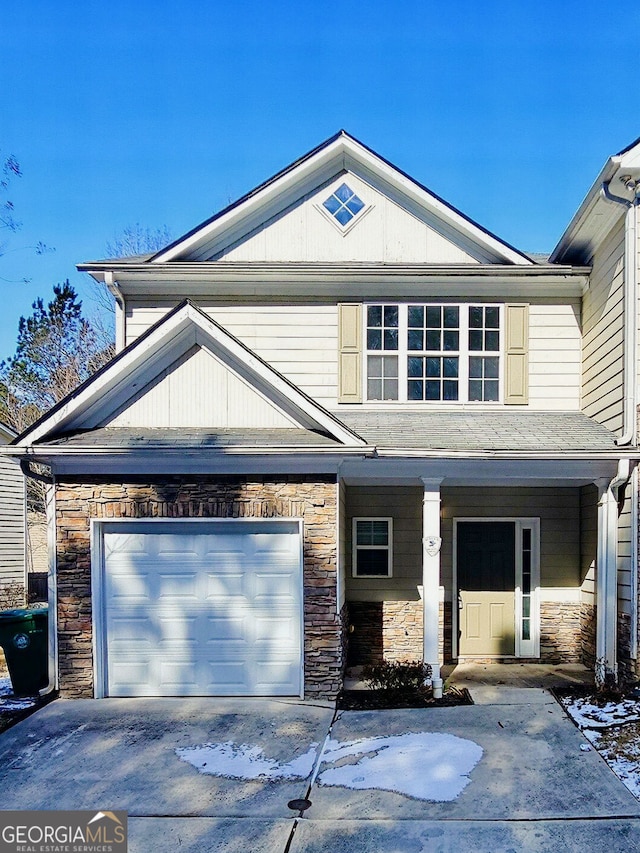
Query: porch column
x,y
607,584
431,542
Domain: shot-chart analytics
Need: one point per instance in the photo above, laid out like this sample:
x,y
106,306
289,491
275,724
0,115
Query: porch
x,y
500,571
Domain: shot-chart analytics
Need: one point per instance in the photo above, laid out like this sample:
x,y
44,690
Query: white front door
x,y
202,608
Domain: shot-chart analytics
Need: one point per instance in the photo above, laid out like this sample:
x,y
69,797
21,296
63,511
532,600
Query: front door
x,y
486,562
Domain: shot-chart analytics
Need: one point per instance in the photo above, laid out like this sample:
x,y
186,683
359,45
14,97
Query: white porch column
x,y
431,542
607,584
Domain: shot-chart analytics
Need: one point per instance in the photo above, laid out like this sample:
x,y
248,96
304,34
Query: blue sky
x,y
164,112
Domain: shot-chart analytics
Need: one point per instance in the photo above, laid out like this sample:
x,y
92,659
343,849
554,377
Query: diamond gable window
x,y
343,205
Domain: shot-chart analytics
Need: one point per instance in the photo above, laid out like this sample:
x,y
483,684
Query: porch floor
x,y
539,675
506,675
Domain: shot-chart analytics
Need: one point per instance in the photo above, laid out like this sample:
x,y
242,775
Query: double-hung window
x,y
433,352
372,547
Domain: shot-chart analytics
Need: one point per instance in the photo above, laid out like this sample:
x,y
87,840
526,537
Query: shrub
x,y
396,677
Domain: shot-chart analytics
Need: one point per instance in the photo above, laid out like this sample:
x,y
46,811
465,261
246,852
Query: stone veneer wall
x,y
392,631
560,633
588,634
310,498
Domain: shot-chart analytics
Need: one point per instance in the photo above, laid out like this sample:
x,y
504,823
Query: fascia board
x,y
110,378
582,232
283,184
7,433
453,218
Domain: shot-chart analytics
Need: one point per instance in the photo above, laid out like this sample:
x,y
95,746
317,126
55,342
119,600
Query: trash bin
x,y
23,637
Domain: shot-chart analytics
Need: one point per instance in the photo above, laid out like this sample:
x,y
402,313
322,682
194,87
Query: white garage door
x,y
202,609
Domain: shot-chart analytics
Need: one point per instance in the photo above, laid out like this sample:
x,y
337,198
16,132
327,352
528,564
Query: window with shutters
x,y
372,547
432,352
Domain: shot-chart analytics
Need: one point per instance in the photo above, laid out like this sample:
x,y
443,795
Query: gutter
x,y
631,301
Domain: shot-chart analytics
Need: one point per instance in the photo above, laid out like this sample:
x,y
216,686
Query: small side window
x,y
372,547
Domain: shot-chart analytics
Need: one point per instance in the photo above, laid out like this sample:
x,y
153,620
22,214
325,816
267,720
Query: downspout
x,y
121,313
607,577
52,586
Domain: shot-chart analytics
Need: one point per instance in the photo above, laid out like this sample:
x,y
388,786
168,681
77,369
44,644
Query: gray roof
x,y
482,430
392,430
126,437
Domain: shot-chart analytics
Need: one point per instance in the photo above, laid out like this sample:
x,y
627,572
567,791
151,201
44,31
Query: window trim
x,y
355,547
463,353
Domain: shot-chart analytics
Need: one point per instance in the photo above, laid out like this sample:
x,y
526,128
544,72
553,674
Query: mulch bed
x,y
383,700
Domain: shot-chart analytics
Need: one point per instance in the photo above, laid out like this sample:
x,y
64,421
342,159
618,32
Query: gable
x,y
388,228
272,221
185,371
198,390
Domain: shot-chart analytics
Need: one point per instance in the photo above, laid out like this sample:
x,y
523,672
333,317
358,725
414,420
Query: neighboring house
x,y
12,527
343,413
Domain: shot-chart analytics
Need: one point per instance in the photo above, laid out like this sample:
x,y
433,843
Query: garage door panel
x,y
176,585
224,585
203,610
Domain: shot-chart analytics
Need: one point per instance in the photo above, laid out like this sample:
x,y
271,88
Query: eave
x,y
219,278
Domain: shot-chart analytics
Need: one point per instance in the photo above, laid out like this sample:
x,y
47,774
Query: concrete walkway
x,y
533,789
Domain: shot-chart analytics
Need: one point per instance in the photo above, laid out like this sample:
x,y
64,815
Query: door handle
x,y
460,602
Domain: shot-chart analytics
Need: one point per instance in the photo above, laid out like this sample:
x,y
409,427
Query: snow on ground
x,y
620,748
424,765
9,702
242,761
589,715
613,729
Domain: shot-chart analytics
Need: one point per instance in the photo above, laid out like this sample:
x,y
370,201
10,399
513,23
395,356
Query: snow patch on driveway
x,y
242,761
423,765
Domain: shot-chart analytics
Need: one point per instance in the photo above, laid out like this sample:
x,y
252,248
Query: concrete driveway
x,y
526,784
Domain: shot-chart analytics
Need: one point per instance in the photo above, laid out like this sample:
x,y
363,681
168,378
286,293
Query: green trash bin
x,y
24,640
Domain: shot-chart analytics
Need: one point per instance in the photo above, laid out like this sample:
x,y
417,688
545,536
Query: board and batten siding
x,y
603,333
389,229
560,540
12,512
170,401
301,342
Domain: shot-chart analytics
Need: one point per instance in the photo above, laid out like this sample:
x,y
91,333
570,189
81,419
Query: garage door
x,y
202,609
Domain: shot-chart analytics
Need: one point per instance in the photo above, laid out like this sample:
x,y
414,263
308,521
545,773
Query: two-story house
x,y
345,419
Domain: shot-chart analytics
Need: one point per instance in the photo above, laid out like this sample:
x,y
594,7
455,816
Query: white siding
x,y
390,230
11,522
198,390
554,355
301,342
603,324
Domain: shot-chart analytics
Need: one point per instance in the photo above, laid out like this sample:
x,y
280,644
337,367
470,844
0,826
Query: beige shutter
x,y
516,392
349,353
